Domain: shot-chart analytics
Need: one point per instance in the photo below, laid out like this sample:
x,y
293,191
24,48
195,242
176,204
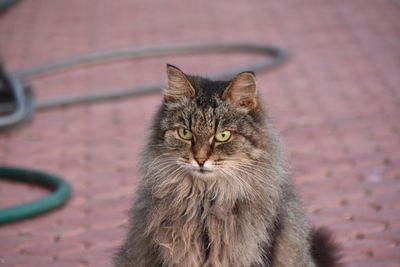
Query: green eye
x,y
185,134
223,136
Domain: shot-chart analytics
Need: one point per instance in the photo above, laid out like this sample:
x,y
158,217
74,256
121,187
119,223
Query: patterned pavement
x,y
336,104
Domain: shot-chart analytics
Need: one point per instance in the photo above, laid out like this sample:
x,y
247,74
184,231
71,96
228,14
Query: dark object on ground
x,y
16,101
323,249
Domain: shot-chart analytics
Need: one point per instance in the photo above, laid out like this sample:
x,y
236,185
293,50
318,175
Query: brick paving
x,y
336,104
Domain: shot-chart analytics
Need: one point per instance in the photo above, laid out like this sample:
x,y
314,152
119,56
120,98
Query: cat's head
x,y
209,128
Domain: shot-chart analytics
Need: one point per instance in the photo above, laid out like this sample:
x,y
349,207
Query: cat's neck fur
x,y
213,222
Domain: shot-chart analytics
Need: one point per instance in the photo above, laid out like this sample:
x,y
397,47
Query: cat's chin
x,y
202,173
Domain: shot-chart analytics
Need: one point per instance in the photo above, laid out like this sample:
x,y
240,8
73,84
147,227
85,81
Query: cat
x,y
215,191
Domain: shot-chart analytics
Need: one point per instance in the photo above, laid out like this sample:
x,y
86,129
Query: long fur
x,y
243,212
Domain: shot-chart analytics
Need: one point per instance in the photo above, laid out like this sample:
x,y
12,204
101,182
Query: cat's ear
x,y
242,91
179,87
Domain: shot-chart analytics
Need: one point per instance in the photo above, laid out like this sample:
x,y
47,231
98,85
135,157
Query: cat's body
x,y
215,191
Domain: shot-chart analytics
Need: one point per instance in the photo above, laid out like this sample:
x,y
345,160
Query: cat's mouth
x,y
202,170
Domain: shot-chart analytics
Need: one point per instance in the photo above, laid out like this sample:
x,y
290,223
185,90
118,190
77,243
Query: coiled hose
x,y
273,56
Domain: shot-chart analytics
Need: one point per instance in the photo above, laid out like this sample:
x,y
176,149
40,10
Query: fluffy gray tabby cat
x,y
215,191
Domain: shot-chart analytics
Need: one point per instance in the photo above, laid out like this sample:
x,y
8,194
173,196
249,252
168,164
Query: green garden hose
x,y
5,4
62,192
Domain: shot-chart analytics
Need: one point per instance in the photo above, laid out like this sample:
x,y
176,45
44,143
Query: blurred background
x,y
335,102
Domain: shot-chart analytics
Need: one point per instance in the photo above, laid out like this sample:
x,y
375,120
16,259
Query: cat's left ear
x,y
242,91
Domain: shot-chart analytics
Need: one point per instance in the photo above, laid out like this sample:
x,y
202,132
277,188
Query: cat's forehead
x,y
207,89
203,119
207,118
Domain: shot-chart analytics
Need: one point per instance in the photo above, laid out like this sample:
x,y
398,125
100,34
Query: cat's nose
x,y
201,161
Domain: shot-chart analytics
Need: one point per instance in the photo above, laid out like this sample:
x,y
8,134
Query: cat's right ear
x,y
179,87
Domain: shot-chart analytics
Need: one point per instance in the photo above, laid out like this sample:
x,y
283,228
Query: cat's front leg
x,y
137,251
139,248
292,244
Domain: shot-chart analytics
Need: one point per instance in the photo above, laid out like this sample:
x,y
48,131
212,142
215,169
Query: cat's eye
x,y
185,134
223,136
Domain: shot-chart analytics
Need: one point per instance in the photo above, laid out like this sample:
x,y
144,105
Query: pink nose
x,y
200,161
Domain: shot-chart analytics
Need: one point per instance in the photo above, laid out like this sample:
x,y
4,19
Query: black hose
x,y
273,56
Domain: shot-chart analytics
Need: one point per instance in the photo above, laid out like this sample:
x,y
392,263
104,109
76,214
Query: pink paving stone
x,y
335,103
91,256
361,244
382,216
27,193
65,264
12,243
372,262
24,260
390,233
392,253
54,248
